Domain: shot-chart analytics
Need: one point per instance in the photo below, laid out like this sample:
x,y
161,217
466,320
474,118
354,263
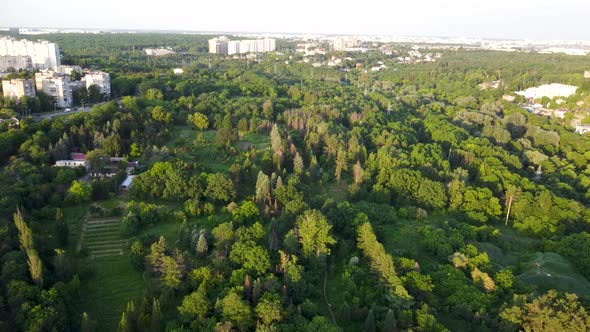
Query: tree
x,y
199,120
340,163
262,188
220,188
27,245
79,192
195,305
269,308
369,325
123,324
314,233
381,261
297,164
549,312
202,245
156,324
389,325
235,310
358,172
160,114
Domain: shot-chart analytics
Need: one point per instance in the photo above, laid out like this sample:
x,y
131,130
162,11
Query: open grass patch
x,y
105,294
548,270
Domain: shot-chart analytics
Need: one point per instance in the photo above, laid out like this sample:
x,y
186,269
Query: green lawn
x,y
105,294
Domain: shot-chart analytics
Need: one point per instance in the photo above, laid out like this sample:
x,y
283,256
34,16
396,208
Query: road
x,y
74,110
39,117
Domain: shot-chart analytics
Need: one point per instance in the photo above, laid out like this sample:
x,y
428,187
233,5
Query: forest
x,y
270,195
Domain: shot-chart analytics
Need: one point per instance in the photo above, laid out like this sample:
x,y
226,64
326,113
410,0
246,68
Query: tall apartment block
x,y
56,85
222,45
43,54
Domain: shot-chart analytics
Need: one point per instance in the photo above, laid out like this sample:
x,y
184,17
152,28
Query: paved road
x,y
74,110
40,117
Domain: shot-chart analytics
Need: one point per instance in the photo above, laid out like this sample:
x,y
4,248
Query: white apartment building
x,y
222,45
56,85
15,61
100,79
17,88
43,54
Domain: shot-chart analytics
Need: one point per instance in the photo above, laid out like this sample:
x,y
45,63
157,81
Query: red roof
x,y
78,156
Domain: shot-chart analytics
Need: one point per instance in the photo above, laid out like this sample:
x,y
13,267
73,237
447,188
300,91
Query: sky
x,y
528,19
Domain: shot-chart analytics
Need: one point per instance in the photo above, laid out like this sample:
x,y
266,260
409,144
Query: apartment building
x,y
17,88
43,54
56,85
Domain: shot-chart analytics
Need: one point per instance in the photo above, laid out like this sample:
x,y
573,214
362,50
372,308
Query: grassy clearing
x,y
105,294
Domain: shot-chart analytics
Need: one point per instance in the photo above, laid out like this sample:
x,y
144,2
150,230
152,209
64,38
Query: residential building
x,y
222,45
343,43
43,54
127,183
16,62
587,74
582,129
17,88
100,79
67,70
158,51
56,85
72,163
218,45
549,90
177,71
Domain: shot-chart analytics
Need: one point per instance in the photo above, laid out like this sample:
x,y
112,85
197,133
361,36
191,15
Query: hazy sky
x,y
537,19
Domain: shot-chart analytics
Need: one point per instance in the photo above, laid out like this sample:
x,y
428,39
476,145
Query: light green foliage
x,y
220,188
195,304
160,114
198,120
269,308
549,312
79,192
235,310
314,233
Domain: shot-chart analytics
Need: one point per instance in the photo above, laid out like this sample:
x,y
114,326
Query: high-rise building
x,y
218,45
17,88
342,43
16,62
56,85
100,79
43,54
222,45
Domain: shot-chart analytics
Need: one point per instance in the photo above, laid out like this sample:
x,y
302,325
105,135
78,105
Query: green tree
x,y
27,245
202,245
160,114
79,192
549,312
200,121
269,308
195,305
235,310
220,188
314,233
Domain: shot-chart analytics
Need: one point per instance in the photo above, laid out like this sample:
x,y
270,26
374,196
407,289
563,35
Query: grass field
x,y
106,293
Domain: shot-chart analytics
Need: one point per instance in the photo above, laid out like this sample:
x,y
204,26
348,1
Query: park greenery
x,y
274,196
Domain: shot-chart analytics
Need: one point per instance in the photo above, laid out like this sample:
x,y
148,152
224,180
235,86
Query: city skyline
x,y
526,19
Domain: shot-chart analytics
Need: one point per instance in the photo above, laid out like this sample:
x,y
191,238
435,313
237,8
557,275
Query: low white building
x,y
549,90
72,163
178,71
127,183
